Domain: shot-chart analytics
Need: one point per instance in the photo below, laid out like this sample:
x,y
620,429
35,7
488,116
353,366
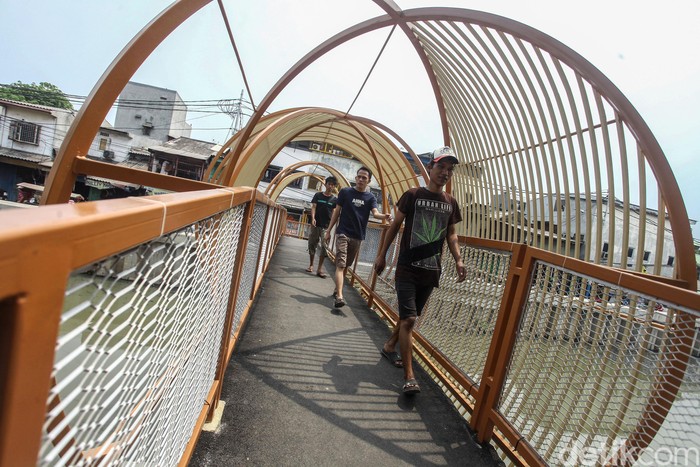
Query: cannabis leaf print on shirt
x,y
429,225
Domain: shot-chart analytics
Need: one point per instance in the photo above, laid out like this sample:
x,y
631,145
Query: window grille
x,y
24,132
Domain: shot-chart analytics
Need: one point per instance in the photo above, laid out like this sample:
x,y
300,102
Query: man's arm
x,y
453,245
313,214
380,260
379,215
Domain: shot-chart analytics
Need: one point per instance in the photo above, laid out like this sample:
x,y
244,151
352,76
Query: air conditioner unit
x,y
109,155
316,147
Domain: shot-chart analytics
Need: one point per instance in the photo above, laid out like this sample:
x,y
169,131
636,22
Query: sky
x,y
650,52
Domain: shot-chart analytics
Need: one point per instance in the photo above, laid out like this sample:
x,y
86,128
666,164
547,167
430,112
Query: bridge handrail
x,y
597,298
43,250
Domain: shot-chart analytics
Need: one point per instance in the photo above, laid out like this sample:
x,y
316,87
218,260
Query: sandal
x,y
322,275
339,302
411,387
393,357
310,269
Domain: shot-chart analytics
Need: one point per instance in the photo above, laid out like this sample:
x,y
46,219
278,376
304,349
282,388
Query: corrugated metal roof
x,y
187,147
23,155
28,105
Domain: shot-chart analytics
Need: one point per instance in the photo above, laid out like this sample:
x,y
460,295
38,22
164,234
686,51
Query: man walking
x,y
322,205
430,216
352,214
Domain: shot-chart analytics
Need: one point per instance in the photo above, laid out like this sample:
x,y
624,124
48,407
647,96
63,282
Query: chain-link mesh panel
x,y
138,346
245,288
265,241
588,357
385,286
368,252
461,316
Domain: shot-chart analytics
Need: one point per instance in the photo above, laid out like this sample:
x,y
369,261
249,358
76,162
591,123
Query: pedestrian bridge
x,y
574,337
120,318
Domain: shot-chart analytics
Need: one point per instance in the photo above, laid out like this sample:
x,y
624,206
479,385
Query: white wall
x,y
54,126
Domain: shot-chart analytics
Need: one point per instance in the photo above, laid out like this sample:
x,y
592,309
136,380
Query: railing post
x,y
502,343
29,325
373,277
226,342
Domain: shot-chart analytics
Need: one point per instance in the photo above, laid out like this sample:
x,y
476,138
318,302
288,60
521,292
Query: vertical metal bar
x,y
29,326
502,344
226,341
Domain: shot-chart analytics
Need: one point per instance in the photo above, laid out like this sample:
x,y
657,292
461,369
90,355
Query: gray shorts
x,y
317,235
346,249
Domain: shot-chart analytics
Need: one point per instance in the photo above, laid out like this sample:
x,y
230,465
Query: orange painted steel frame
x,y
69,237
71,158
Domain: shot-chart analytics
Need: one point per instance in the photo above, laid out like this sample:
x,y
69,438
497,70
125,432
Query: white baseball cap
x,y
444,152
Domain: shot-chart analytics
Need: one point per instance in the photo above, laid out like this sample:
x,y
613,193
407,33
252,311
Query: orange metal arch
x,y
62,175
369,147
262,136
105,92
276,191
342,181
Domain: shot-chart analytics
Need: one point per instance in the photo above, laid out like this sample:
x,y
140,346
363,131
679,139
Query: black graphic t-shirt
x,y
428,215
324,208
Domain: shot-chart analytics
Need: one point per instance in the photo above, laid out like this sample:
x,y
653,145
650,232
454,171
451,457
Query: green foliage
x,y
42,94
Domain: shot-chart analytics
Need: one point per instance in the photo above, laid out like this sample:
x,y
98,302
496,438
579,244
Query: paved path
x,y
307,386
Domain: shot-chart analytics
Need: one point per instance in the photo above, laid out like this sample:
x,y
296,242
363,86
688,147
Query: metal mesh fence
x,y
368,252
385,286
461,316
245,288
588,357
265,240
138,346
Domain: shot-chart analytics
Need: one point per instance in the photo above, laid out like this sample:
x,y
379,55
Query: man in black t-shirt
x,y
430,216
322,205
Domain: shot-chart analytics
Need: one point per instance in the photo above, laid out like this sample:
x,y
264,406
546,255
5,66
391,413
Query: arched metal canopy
x,y
372,147
535,125
549,147
282,179
276,191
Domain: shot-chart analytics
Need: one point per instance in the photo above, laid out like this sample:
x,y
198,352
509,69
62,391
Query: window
x,y
646,255
604,252
24,132
630,252
104,143
670,261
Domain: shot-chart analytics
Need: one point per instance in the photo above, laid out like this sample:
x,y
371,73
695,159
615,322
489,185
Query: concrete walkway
x,y
308,386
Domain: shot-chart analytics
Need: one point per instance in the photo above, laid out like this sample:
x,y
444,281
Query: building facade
x,y
151,115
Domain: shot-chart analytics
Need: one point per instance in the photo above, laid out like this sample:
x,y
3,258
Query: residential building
x,y
182,157
30,136
612,212
152,115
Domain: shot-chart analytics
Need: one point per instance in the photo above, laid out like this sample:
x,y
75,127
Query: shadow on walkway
x,y
308,386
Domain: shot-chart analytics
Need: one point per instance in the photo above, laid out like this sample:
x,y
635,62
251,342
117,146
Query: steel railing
x,y
556,360
121,315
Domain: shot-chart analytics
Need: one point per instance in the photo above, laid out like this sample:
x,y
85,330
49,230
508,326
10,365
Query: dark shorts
x,y
412,298
346,249
316,236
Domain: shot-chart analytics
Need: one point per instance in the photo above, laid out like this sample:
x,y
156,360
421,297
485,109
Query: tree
x,y
42,94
